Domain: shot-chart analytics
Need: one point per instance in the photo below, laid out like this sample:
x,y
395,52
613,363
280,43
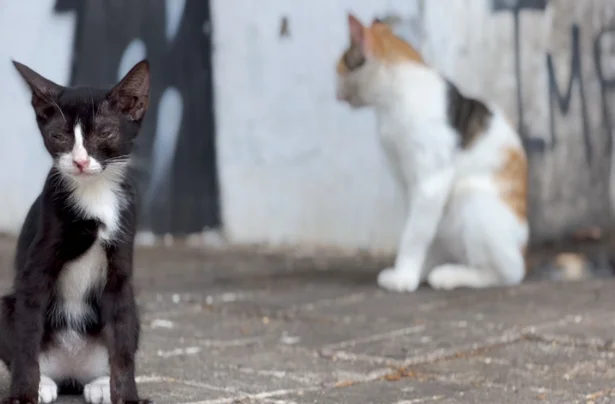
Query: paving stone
x,y
590,329
247,326
411,391
532,365
255,368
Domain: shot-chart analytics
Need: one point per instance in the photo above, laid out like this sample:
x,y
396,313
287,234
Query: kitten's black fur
x,y
55,233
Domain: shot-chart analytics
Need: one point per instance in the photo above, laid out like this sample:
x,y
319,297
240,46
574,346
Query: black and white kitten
x,y
71,320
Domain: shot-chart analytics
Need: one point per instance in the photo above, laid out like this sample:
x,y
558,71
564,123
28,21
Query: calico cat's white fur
x,y
460,162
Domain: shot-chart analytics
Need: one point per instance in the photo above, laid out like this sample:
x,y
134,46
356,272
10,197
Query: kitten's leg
x,y
27,337
7,306
47,388
427,202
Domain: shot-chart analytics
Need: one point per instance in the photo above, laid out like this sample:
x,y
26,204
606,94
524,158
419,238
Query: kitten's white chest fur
x,y
100,198
77,279
94,198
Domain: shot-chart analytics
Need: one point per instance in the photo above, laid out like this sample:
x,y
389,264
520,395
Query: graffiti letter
x,y
516,6
607,84
563,101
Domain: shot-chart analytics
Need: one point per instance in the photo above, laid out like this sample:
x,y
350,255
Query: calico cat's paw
x,y
397,280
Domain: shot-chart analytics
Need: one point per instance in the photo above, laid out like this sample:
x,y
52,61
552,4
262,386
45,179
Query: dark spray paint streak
x,y
188,201
606,84
563,101
532,144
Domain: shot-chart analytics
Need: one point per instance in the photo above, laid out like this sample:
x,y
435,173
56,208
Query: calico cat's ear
x,y
357,32
44,91
359,36
131,94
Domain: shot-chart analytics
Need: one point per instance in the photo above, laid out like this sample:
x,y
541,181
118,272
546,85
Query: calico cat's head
x,y
89,131
361,69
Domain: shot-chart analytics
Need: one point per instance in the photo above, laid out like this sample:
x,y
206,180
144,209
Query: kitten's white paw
x,y
398,281
98,391
47,390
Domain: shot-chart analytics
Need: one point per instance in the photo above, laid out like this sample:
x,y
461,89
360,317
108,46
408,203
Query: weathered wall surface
x,y
293,165
551,66
298,167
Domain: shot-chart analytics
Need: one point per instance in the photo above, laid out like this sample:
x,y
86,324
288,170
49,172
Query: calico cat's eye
x,y
107,134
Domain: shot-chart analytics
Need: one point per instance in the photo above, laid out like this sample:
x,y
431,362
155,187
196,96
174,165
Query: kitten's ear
x,y
44,91
131,94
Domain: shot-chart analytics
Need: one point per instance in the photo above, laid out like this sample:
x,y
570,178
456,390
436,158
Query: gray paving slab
x,y
249,326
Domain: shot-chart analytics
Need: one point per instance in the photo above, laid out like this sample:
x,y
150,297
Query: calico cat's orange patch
x,y
388,47
512,178
381,43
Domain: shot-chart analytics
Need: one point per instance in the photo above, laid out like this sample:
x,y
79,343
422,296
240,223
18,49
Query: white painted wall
x,y
296,166
31,33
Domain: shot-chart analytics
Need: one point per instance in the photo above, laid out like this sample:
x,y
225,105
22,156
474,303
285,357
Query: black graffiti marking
x,y
532,144
188,199
607,84
563,102
518,5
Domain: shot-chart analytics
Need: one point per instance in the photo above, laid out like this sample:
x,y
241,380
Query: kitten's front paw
x,y
47,390
398,281
98,391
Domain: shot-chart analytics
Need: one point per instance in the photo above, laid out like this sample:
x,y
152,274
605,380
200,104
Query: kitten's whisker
x,y
92,100
57,106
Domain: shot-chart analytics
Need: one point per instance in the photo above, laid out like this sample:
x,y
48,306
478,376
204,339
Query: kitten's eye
x,y
107,134
58,136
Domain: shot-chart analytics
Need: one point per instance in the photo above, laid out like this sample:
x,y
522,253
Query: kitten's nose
x,y
81,164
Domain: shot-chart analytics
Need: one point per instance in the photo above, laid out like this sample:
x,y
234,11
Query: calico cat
x,y
71,320
460,162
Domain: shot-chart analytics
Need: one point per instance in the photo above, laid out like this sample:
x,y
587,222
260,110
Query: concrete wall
x,y
32,33
296,167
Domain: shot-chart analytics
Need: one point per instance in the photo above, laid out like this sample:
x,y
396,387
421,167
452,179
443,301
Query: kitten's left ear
x,y
132,93
44,91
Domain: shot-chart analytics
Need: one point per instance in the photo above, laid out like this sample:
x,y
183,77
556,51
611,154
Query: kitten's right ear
x,y
44,91
132,93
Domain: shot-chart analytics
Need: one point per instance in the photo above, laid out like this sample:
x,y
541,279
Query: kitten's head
x,y
87,131
371,50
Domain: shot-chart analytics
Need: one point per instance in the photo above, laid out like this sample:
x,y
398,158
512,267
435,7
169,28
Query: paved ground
x,y
244,327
